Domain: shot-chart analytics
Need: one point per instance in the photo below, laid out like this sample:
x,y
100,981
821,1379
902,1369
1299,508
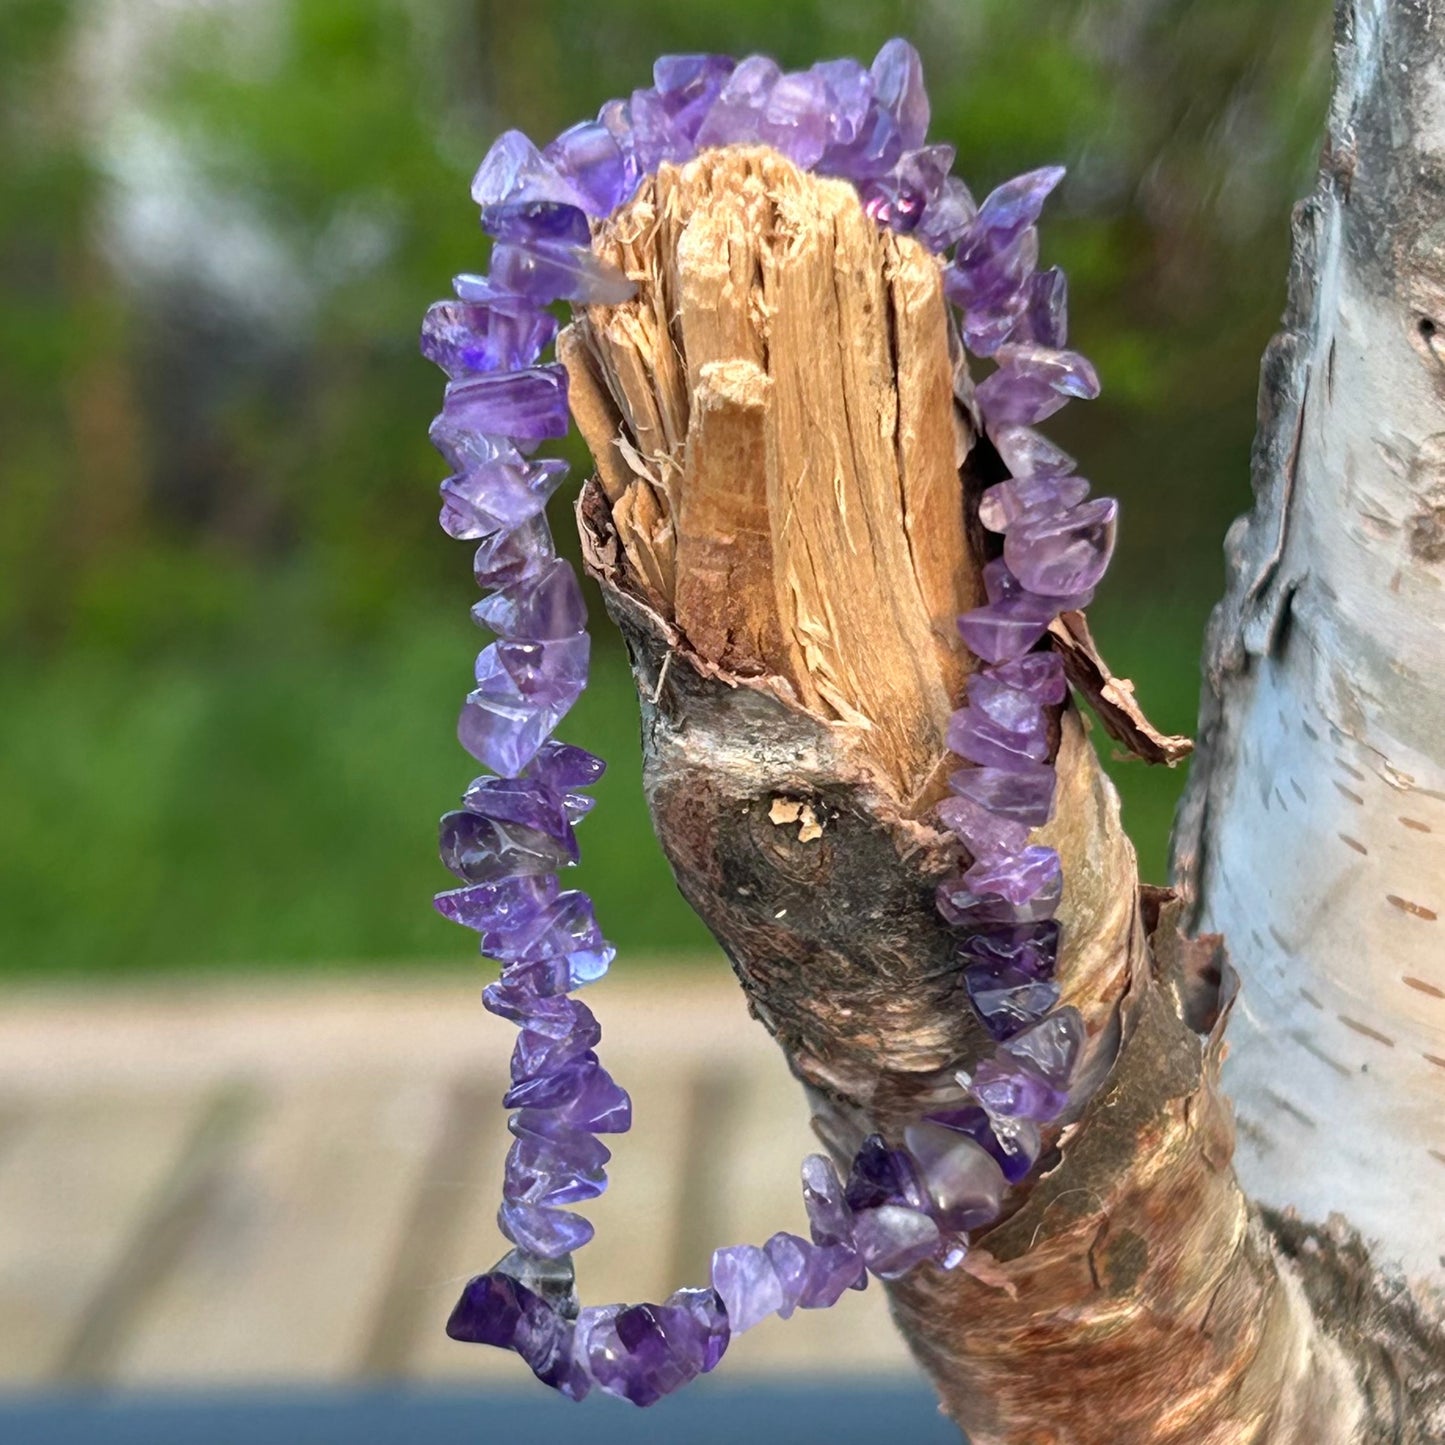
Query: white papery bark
x,y
1313,833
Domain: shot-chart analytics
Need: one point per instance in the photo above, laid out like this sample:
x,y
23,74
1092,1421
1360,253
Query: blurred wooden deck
x,y
272,1182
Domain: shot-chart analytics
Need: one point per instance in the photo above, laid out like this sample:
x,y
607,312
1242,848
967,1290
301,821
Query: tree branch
x,y
794,680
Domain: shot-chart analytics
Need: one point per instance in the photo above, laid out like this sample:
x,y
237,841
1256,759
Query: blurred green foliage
x,y
234,641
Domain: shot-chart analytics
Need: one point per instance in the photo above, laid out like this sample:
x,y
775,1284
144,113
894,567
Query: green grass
x,y
272,806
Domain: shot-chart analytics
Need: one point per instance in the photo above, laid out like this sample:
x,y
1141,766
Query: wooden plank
x,y
281,1279
77,1178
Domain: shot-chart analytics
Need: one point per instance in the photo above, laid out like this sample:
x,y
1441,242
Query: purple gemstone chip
x,y
747,1284
1013,1143
464,339
965,1184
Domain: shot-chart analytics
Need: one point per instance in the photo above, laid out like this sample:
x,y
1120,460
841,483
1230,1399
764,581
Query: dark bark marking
x,y
1366,1030
1353,843
1415,910
1303,1040
1421,986
1416,825
1353,797
1298,1115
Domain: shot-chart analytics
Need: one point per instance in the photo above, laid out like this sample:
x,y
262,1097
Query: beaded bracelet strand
x,y
513,837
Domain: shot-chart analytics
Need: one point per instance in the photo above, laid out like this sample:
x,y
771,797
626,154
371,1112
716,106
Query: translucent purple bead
x,y
1005,503
480,851
545,606
1008,1000
506,558
1026,875
1019,795
588,156
893,1238
897,73
965,1184
494,905
547,270
548,1233
463,338
529,405
1066,552
1012,1143
965,907
747,1284
829,1217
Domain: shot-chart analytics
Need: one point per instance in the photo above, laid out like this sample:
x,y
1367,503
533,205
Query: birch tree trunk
x,y
1313,832
784,525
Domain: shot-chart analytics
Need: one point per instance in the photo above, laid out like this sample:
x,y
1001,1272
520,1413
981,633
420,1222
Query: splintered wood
x,y
777,396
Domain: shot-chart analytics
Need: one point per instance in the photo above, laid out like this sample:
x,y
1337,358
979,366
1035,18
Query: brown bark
x,y
783,526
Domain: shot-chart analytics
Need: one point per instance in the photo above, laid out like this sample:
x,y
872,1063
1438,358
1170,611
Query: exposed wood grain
x,y
784,384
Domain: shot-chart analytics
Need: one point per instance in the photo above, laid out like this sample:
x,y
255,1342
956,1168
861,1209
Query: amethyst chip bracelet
x,y
903,1202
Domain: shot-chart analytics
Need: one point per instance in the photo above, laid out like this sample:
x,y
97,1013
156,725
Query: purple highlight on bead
x,y
1030,948
506,558
706,1310
590,158
553,1032
515,178
790,1257
1012,1143
463,338
1046,320
964,907
1021,795
550,270
1066,552
656,136
1040,675
1029,1076
983,834
880,1175
478,850
965,1184
563,766
547,1233
545,606
1008,1000
1001,727
1026,452
529,404
1027,875
495,1309
833,1269
830,1219
544,1172
897,73
493,905
688,85
520,800
498,496
747,1284
893,1238
1004,504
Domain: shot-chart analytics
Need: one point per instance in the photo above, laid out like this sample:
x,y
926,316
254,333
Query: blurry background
x,y
232,639
233,643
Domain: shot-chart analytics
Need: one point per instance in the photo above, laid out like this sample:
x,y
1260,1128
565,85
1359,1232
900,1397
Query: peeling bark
x,y
793,694
1313,830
